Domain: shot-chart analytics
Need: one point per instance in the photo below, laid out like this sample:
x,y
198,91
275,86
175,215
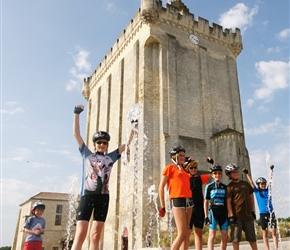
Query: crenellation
x,y
203,25
182,20
188,20
126,36
179,5
218,30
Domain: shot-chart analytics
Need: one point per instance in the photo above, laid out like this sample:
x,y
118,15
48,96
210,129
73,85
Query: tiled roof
x,y
49,196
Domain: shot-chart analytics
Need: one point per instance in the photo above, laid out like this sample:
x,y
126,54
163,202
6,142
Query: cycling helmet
x,y
37,204
230,168
216,168
261,180
101,135
176,150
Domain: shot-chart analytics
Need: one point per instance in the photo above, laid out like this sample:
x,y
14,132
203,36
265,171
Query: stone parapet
x,y
170,16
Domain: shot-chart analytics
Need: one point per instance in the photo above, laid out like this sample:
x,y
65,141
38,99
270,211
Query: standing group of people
x,y
221,205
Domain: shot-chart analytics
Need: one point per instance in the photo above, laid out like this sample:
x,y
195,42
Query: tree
x,y
5,248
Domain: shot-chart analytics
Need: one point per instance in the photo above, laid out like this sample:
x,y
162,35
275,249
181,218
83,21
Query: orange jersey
x,y
178,182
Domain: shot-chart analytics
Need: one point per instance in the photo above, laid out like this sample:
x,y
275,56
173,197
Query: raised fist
x,y
210,160
246,171
78,109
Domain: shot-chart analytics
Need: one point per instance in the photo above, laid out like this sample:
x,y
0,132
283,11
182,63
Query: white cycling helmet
x,y
230,168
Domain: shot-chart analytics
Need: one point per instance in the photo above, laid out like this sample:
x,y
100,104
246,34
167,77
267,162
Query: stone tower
x,y
182,72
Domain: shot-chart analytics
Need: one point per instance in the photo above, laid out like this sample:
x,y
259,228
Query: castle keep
x,y
182,72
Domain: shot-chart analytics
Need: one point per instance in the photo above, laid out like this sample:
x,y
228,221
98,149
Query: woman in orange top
x,y
178,182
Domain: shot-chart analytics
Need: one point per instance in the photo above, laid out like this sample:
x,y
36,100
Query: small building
x,y
59,214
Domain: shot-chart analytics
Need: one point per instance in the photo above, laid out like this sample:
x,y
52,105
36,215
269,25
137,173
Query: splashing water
x,y
73,203
267,159
134,121
170,224
153,197
270,196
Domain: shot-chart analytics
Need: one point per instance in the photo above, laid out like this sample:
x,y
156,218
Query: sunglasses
x,y
217,173
102,142
193,168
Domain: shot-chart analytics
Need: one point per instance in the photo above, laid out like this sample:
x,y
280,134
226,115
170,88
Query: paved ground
x,y
283,245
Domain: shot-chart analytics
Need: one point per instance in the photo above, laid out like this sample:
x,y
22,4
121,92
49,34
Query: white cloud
x,y
68,154
12,108
110,6
284,35
21,155
80,60
18,189
26,157
77,75
274,76
72,84
265,128
21,191
80,70
250,102
240,16
276,49
263,108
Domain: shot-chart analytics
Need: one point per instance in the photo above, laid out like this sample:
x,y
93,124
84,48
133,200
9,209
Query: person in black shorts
x,y
176,179
96,171
241,208
215,208
264,200
197,216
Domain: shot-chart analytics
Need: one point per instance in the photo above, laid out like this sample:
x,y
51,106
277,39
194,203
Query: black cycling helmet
x,y
37,204
101,135
216,168
261,180
176,150
230,168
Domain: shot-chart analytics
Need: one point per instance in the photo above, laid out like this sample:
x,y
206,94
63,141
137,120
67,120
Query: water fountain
x,y
270,196
154,212
130,193
73,203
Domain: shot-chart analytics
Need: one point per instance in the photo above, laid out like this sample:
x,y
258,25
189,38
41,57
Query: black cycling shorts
x,y
181,202
268,219
97,203
197,218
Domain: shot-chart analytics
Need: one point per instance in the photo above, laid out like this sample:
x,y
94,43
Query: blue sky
x,y
48,47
